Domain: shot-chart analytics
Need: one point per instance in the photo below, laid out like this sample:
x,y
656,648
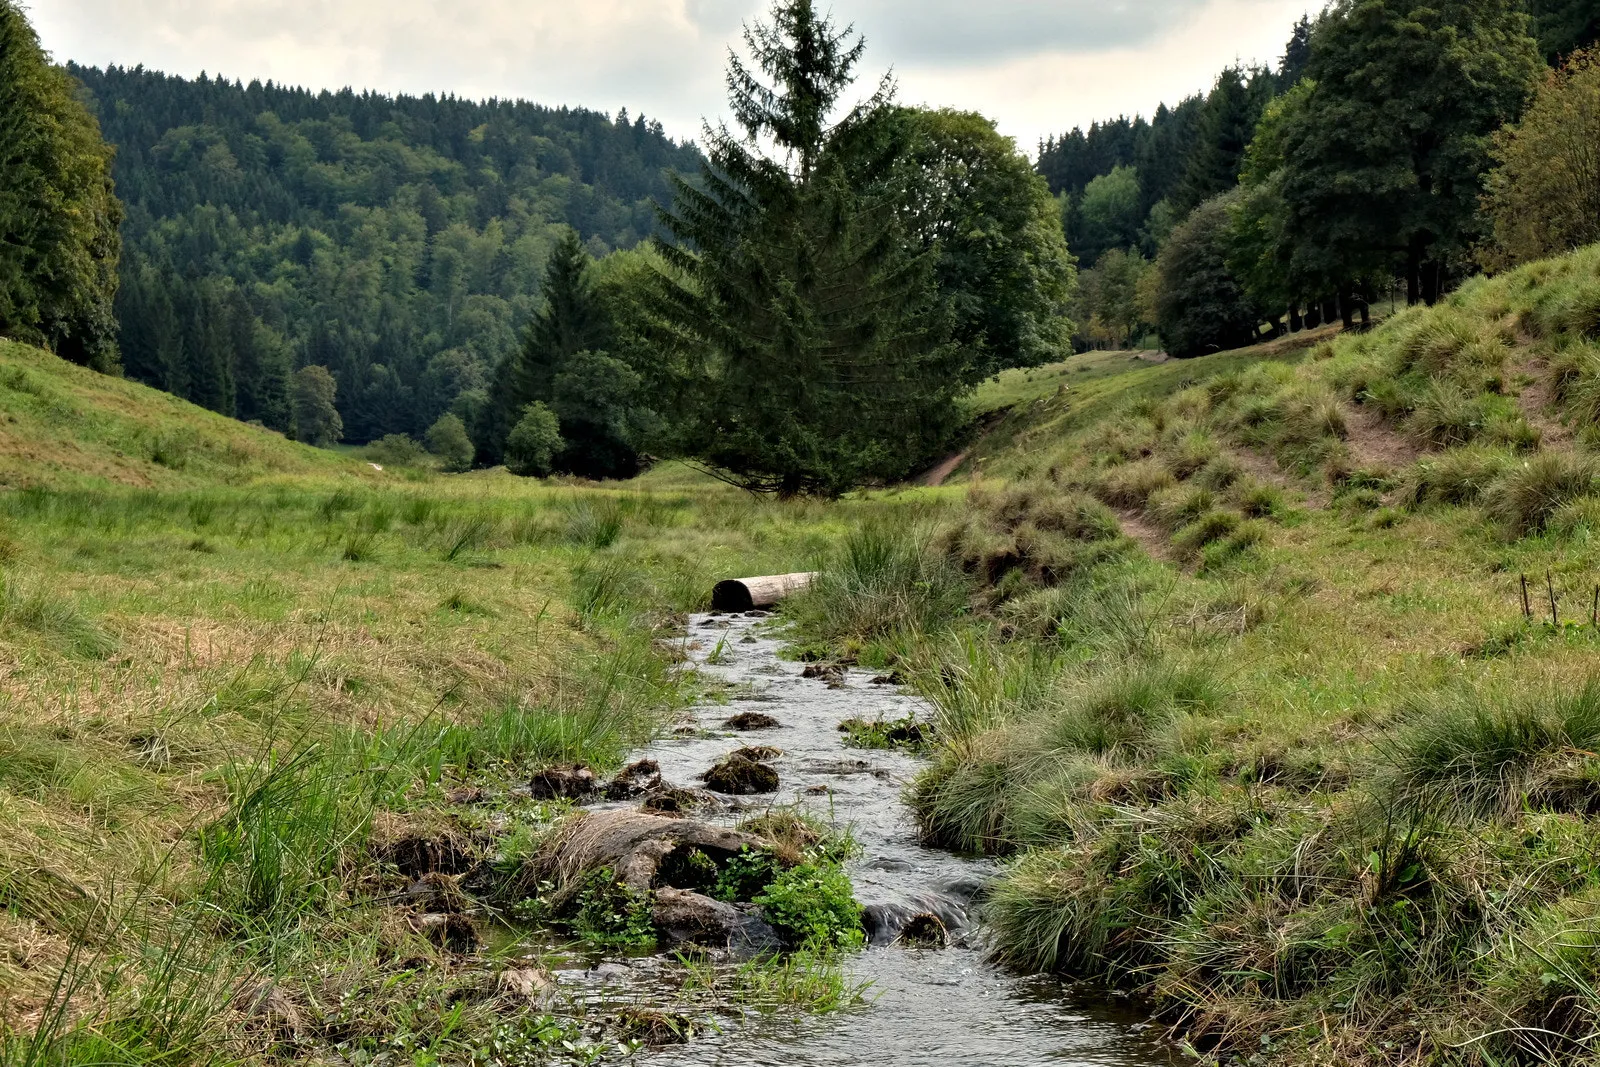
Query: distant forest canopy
x,y
397,241
1125,185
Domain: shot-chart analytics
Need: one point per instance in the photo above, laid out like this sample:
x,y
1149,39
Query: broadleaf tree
x,y
59,215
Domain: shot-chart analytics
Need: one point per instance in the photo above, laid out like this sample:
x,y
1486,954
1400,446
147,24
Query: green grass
x,y
243,677
1294,767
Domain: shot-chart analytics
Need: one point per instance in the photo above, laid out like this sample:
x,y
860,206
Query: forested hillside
x,y
398,241
1346,173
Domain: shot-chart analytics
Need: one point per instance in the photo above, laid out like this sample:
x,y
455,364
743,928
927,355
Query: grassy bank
x,y
250,691
1229,656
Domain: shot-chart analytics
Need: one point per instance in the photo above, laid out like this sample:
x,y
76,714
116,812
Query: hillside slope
x,y
62,424
397,240
1278,683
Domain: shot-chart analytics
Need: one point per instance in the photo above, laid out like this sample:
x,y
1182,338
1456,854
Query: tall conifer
x,y
811,355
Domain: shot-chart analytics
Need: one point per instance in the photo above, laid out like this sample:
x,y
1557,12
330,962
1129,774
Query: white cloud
x,y
1038,66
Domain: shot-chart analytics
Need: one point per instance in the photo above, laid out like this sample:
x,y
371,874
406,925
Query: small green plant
x,y
814,905
609,912
745,875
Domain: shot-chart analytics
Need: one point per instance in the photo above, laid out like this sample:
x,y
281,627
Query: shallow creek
x,y
949,1007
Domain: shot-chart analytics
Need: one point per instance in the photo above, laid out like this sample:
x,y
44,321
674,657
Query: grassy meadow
x,y
1227,658
243,684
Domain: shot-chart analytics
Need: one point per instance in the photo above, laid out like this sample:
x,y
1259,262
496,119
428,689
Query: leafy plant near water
x,y
813,905
609,912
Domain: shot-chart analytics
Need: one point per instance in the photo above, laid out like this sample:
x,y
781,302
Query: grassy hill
x,y
1245,686
1228,660
62,424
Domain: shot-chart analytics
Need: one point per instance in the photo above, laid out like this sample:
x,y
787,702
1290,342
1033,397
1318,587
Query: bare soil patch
x,y
1374,443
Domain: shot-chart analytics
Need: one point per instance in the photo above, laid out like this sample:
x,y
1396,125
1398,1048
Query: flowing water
x,y
949,1007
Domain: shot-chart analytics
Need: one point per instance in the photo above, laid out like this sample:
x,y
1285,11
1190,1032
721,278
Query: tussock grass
x,y
1482,753
1525,497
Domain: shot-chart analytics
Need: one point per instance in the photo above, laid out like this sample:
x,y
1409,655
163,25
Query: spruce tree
x,y
1226,126
572,320
808,340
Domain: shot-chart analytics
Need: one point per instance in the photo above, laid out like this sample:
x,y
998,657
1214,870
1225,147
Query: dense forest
x,y
397,241
1317,219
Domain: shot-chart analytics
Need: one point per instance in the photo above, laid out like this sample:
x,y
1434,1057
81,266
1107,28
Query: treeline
x,y
397,241
1286,197
815,312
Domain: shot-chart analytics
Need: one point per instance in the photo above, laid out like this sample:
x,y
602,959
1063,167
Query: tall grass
x,y
882,582
1481,751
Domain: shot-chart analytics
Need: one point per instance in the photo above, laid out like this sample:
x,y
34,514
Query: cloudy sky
x,y
1037,66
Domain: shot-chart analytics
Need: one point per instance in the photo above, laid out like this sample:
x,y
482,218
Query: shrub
x,y
813,905
394,450
1527,495
447,439
533,443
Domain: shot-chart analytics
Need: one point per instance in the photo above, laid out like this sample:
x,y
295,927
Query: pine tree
x,y
809,344
572,320
1296,54
1226,126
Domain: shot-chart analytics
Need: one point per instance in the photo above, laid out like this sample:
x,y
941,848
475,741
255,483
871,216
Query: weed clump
x,y
1527,495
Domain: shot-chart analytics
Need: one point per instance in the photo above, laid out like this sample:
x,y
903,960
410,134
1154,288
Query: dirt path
x,y
1374,444
1537,401
1151,538
936,476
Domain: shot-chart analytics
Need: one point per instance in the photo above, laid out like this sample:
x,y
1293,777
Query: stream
x,y
951,1007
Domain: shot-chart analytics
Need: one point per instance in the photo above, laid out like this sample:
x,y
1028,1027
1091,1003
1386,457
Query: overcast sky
x,y
1036,66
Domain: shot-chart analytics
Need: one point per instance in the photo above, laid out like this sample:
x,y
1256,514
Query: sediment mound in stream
x,y
635,845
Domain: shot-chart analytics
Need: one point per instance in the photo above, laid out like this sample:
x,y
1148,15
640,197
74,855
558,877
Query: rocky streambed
x,y
931,996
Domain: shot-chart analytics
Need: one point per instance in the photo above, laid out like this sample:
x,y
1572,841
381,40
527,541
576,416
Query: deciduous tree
x,y
1544,194
59,215
316,420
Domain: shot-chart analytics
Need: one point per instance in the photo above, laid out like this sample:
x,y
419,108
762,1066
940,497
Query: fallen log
x,y
744,594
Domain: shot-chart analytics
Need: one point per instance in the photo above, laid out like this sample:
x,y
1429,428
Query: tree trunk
x,y
1313,316
744,594
1347,305
1432,276
1330,308
1297,321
